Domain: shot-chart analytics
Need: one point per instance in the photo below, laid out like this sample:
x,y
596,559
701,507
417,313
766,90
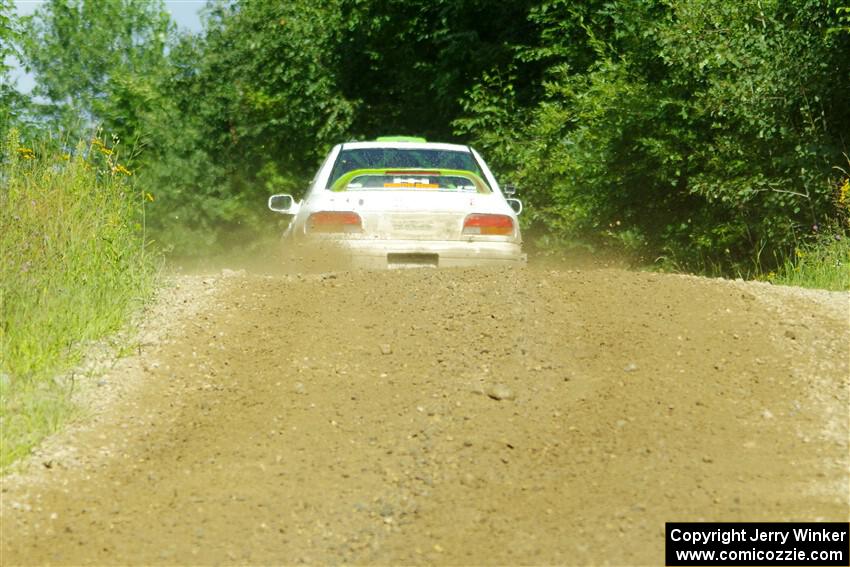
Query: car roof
x,y
405,146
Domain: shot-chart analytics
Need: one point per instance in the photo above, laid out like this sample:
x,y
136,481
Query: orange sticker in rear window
x,y
412,185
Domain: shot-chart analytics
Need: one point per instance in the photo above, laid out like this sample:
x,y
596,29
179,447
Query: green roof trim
x,y
400,139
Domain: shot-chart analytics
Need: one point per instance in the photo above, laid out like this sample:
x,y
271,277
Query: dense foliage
x,y
702,134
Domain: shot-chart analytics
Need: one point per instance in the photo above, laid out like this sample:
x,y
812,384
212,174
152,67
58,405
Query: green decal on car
x,y
398,175
401,139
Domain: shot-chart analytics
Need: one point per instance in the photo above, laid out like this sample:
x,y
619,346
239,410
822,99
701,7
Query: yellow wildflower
x,y
118,168
149,197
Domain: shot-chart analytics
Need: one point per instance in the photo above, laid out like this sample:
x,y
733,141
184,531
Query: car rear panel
x,y
417,216
413,226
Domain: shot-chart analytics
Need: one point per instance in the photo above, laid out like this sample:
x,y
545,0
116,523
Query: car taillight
x,y
334,221
488,224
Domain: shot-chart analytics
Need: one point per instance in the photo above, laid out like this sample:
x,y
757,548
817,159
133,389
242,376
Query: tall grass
x,y
824,264
73,264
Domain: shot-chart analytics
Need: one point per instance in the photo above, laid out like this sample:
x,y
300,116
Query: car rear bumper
x,y
383,254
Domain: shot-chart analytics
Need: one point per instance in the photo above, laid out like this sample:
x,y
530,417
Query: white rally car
x,y
405,202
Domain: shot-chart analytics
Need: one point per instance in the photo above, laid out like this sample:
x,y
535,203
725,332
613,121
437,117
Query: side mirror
x,y
509,189
283,204
516,205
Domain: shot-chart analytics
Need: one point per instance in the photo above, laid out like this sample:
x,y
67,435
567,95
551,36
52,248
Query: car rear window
x,y
415,179
384,158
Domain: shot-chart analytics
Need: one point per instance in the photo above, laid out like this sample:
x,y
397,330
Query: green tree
x,y
409,62
12,102
703,132
249,109
268,71
97,63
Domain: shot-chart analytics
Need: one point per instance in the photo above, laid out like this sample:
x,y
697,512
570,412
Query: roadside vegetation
x,y
821,260
73,264
822,264
698,135
706,136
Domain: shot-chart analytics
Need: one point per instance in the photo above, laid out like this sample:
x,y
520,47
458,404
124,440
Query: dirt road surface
x,y
528,416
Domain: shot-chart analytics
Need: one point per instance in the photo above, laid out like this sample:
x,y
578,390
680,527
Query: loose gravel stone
x,y
500,392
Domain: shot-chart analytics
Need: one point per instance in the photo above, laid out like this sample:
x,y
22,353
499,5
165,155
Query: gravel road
x,y
527,416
